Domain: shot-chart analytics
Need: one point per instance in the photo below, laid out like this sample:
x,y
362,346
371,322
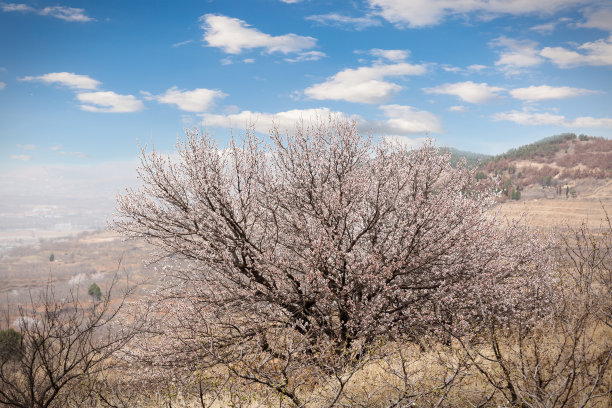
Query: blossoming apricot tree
x,y
328,236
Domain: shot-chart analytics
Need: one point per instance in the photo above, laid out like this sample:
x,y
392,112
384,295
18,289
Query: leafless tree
x,y
563,358
63,343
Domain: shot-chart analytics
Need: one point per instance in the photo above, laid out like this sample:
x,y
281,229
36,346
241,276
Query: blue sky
x,y
82,82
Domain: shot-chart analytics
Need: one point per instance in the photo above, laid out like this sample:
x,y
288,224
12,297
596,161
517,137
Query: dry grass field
x,y
550,213
97,256
78,262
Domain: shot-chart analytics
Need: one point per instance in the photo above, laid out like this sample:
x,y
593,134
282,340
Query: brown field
x,y
96,256
551,213
78,262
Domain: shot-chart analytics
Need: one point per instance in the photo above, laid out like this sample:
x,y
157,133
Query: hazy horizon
x,y
82,83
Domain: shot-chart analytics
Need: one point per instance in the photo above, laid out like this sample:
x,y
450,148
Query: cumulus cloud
x,y
109,102
390,55
542,92
61,12
458,108
546,28
2,85
339,20
263,122
364,84
600,18
546,118
307,56
468,91
516,55
597,53
399,120
476,67
422,13
197,100
402,120
233,36
69,79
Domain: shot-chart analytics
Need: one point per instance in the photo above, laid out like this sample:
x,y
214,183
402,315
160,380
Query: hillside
x,y
472,159
562,166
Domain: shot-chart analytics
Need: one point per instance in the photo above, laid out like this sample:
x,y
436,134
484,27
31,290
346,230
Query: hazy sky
x,y
82,82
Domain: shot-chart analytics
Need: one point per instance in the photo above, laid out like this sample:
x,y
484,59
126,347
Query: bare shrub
x,y
63,343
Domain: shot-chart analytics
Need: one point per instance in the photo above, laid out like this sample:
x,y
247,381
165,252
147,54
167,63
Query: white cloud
x,y
390,55
464,71
534,118
55,148
597,53
421,13
263,122
290,1
233,36
400,120
339,20
542,92
22,157
516,55
69,79
452,69
600,18
404,120
249,60
307,56
467,91
16,7
476,67
61,12
458,108
546,28
197,100
26,146
364,84
109,102
2,85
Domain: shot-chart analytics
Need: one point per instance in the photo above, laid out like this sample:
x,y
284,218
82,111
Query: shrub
x,y
10,344
94,291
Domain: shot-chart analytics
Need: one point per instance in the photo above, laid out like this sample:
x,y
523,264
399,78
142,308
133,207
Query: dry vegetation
x,y
555,351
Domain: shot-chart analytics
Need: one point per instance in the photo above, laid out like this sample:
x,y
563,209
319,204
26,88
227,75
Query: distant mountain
x,y
555,162
472,159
